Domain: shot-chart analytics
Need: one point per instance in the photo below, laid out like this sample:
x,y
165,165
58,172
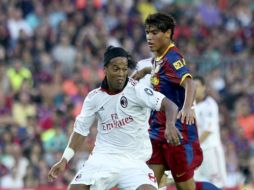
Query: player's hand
x,y
57,169
187,115
173,135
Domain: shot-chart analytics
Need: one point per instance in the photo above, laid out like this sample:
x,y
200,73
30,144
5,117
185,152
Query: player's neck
x,y
108,87
163,50
112,90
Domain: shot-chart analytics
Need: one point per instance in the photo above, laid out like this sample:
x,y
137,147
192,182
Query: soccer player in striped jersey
x,y
171,77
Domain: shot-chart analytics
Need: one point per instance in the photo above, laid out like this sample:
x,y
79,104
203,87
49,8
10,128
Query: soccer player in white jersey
x,y
213,168
122,144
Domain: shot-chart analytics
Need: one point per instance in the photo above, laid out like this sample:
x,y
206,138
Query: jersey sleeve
x,y
86,117
147,97
179,65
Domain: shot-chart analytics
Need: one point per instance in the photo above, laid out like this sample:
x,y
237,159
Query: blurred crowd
x,y
51,54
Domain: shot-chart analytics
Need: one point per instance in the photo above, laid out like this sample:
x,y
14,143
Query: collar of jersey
x,y
165,52
104,87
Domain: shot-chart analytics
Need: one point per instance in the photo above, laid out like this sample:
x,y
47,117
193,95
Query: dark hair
x,y
112,52
132,63
200,79
161,21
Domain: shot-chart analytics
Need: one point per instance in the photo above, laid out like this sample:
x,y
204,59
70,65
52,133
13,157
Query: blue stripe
x,y
154,132
192,132
154,127
189,153
173,56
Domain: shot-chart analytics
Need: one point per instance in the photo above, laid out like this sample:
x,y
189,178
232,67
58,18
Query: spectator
x,y
65,54
17,74
12,180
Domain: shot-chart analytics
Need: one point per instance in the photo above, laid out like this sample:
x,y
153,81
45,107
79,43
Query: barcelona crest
x,y
155,80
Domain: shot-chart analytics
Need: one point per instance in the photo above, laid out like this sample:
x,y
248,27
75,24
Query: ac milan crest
x,y
123,102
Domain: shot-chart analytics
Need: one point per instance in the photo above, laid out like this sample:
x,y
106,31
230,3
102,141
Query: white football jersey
x,y
207,117
121,119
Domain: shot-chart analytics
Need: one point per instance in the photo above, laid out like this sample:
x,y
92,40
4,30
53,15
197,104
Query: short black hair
x,y
200,79
161,21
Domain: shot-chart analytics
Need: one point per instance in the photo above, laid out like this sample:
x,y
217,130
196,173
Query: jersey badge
x,y
123,102
179,64
155,80
148,91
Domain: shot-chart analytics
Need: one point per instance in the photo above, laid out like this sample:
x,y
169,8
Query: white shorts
x,y
103,171
213,167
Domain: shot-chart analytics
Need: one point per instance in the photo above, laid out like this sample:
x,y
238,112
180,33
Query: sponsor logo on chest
x,y
116,123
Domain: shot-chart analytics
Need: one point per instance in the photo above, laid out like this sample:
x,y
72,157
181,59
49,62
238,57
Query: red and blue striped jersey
x,y
169,71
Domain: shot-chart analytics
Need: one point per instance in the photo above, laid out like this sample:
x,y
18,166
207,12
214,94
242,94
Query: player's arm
x,y
184,78
190,91
170,109
73,146
204,136
142,73
81,129
187,113
147,97
172,134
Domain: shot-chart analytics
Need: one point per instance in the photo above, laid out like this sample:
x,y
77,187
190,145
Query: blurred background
x,y
51,54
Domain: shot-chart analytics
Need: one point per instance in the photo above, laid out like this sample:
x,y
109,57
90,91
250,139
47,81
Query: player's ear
x,y
168,33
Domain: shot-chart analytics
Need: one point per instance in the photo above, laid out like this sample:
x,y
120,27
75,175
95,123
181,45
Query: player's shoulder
x,y
173,54
144,63
175,58
94,93
134,86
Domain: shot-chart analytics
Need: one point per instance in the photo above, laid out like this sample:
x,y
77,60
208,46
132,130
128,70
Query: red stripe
x,y
185,131
170,72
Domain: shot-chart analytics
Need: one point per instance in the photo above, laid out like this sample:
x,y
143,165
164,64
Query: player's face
x,y
157,40
200,90
116,72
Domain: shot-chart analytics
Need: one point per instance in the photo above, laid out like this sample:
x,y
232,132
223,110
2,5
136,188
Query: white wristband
x,y
68,153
